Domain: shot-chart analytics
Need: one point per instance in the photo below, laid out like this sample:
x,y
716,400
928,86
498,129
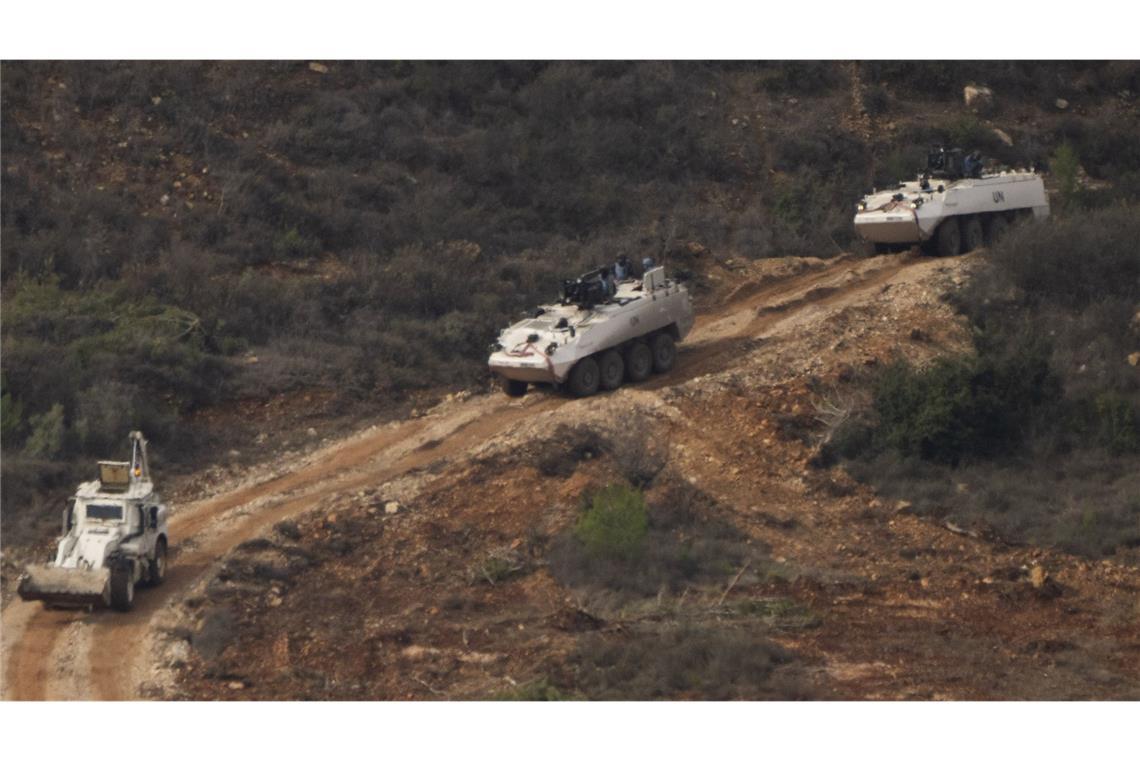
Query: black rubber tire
x,y
513,388
972,236
584,378
157,573
122,588
664,352
996,228
949,238
611,370
638,361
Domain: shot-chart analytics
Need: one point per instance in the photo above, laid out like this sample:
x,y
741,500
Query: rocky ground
x,y
430,557
455,582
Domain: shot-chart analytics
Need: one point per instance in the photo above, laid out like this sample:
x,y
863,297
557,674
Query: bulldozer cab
x,y
114,476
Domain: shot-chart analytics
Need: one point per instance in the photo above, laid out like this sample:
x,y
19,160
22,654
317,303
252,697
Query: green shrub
x,y
11,416
1118,423
688,662
615,523
958,408
47,437
685,543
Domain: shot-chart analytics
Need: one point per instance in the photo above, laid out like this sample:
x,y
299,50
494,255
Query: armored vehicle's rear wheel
x,y
638,361
611,370
949,242
514,388
996,228
664,352
157,573
584,377
122,587
972,234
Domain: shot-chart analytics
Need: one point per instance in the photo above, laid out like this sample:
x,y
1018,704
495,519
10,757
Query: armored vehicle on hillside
x,y
950,208
601,333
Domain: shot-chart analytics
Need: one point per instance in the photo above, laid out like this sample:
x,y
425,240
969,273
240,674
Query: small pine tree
x,y
615,524
1065,167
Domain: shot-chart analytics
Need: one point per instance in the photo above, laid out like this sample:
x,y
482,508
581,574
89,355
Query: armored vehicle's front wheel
x,y
122,588
638,361
949,238
664,352
972,234
584,378
611,370
514,388
157,573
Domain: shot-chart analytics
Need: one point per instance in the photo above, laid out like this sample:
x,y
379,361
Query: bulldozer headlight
x,y
550,349
862,205
916,203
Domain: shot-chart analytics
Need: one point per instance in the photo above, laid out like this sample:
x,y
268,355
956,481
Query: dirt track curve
x,y
54,655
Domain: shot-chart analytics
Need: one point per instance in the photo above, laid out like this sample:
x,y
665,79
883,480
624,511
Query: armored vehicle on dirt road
x,y
114,538
952,207
600,334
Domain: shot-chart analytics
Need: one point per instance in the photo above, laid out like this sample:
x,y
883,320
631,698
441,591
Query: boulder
x,y
978,98
1003,136
1061,104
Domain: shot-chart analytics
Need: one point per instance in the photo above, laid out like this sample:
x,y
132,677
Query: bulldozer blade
x,y
66,587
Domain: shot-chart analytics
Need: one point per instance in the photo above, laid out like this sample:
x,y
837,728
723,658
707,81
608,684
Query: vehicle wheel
x,y
611,370
157,573
996,228
949,238
973,238
514,388
638,361
122,588
664,352
584,377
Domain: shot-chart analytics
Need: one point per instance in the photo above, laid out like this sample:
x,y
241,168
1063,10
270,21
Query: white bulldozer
x,y
601,333
114,539
952,207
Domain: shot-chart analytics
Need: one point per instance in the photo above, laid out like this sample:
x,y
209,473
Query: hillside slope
x,y
188,244
428,558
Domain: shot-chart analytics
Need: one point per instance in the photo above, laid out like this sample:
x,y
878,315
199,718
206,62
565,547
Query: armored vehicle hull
x,y
588,345
949,214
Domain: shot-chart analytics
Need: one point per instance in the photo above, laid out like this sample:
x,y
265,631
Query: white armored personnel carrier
x,y
950,208
598,335
114,538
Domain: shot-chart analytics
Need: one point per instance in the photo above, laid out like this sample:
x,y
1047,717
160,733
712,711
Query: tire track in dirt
x,y
115,652
30,660
735,330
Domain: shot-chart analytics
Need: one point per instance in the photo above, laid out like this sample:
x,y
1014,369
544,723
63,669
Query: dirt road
x,y
49,654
